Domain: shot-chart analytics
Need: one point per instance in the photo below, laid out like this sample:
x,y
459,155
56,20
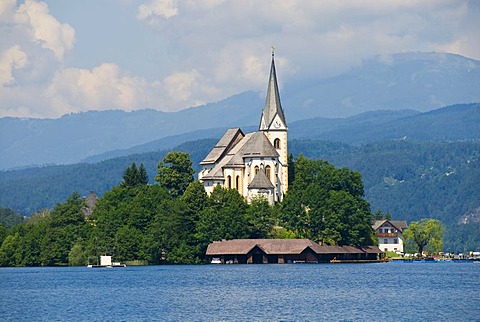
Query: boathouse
x,y
263,251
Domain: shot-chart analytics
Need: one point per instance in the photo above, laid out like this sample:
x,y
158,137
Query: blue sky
x,y
64,56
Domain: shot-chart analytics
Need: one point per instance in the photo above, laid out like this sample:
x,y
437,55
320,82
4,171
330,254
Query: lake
x,y
289,292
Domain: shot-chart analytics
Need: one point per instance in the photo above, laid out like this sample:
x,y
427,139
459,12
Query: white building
x,y
390,235
256,164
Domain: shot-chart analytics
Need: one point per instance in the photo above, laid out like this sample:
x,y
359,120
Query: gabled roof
x,y
399,225
269,246
224,145
258,145
273,106
260,181
254,145
232,158
282,247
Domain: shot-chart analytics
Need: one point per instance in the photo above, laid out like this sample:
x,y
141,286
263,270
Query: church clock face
x,y
276,124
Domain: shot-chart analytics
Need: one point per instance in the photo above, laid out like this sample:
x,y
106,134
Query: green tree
x,y
128,244
425,233
8,250
142,175
175,172
223,218
66,225
9,218
327,205
134,176
260,216
78,255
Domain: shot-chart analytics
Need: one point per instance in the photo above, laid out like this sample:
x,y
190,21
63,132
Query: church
x,y
255,164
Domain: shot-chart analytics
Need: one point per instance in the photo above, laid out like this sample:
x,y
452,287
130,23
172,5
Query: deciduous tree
x,y
426,232
175,172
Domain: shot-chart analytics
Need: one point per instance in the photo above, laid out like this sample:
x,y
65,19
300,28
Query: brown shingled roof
x,y
282,246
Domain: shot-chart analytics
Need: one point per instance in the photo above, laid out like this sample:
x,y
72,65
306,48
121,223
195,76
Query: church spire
x,y
272,115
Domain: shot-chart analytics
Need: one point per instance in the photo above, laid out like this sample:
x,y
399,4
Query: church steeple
x,y
272,115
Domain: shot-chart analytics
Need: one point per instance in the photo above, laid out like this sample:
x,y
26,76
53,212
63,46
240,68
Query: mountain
x,y
456,122
73,137
450,123
407,81
419,81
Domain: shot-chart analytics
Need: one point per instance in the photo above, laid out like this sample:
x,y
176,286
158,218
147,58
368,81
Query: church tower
x,y
255,164
274,126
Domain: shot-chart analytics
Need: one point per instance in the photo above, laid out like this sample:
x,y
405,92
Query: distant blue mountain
x,y
451,123
407,81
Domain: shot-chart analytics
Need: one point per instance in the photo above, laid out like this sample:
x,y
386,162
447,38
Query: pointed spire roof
x,y
273,107
260,181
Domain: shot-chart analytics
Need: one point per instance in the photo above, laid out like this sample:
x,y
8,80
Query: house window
x,y
380,230
229,182
276,143
385,241
395,241
267,171
237,182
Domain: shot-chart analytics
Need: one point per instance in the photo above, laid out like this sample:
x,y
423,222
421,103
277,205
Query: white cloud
x,y
10,60
188,52
103,87
46,29
163,9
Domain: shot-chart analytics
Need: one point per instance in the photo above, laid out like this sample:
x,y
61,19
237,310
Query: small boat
x,y
106,262
216,260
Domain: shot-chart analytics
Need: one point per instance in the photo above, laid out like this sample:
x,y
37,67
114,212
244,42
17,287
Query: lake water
x,y
290,292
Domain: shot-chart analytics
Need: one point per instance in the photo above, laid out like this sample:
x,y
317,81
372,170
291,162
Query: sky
x,y
66,56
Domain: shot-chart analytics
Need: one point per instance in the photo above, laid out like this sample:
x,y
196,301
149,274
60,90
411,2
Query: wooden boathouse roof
x,y
282,246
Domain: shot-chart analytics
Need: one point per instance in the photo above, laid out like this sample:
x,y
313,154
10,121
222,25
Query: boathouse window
x,y
276,143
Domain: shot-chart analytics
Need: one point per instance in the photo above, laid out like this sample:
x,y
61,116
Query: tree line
x,y
173,220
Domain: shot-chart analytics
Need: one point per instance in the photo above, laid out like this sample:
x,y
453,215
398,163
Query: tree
x,y
175,173
426,232
66,226
223,218
327,205
134,176
260,217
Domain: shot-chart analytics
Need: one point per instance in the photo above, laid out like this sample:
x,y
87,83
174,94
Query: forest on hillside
x,y
173,220
405,178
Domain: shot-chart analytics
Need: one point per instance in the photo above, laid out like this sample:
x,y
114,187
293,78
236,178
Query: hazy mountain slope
x,y
415,81
419,81
163,144
457,122
74,137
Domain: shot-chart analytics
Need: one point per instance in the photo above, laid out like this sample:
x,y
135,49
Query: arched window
x,y
229,182
267,171
256,169
237,182
276,143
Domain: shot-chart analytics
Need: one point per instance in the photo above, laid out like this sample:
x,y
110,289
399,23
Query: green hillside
x,y
408,179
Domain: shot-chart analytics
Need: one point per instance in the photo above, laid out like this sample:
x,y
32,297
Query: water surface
x,y
295,292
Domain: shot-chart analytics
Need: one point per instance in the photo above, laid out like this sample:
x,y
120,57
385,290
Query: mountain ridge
x,y
418,81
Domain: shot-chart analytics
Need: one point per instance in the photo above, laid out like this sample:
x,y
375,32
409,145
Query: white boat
x,y
216,260
106,262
